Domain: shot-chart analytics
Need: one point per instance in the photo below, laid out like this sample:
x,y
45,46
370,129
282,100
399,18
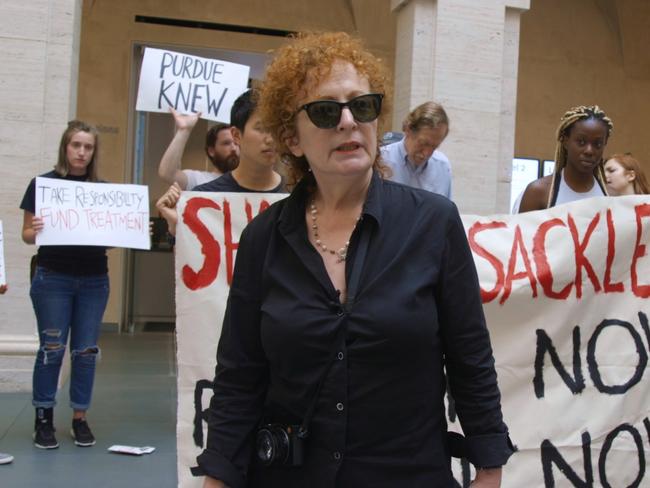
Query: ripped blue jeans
x,y
67,305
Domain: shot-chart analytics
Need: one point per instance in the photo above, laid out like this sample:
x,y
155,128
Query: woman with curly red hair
x,y
353,301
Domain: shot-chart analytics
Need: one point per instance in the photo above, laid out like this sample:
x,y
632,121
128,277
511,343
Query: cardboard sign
x,y
189,84
92,214
566,295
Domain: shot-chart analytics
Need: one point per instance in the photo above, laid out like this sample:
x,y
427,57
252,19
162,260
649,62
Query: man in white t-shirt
x,y
220,147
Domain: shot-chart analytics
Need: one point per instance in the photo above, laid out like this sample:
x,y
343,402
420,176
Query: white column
x,y
464,54
39,58
415,51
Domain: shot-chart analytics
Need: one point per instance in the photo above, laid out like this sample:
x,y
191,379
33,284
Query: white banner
x,y
565,294
92,214
3,275
190,84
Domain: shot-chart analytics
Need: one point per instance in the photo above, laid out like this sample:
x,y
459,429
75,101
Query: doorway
x,y
149,282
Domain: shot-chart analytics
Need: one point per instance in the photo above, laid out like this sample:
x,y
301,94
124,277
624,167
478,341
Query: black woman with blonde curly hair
x,y
578,174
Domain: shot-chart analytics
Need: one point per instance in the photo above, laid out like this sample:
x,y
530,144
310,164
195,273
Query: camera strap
x,y
353,285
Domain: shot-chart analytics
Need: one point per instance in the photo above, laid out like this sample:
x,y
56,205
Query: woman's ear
x,y
236,135
293,144
630,175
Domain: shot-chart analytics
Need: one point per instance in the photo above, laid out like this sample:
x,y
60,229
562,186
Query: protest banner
x,y
3,275
207,237
565,294
189,84
92,214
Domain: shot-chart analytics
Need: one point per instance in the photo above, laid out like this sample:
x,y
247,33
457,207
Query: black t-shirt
x,y
73,260
226,183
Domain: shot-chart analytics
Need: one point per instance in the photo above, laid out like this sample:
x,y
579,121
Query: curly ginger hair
x,y
298,67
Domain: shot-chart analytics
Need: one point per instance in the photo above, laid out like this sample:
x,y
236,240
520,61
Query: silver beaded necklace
x,y
342,253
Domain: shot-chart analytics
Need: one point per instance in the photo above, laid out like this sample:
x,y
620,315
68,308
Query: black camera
x,y
280,445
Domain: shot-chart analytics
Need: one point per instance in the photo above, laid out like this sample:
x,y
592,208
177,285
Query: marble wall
x,y
39,50
464,55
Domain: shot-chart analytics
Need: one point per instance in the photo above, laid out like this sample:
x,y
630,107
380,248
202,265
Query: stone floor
x,y
134,403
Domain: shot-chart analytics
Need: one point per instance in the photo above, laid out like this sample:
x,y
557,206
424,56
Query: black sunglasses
x,y
326,114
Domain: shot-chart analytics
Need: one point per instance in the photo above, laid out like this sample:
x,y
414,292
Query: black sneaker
x,y
81,433
44,436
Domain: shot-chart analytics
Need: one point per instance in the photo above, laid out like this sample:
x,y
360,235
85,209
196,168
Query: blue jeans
x,y
67,305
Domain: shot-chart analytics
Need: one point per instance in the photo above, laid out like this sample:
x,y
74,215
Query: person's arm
x,y
487,478
242,372
169,168
469,362
166,205
32,225
449,176
535,196
212,483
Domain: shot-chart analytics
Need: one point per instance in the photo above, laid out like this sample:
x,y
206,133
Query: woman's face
x,y
585,144
349,148
79,152
620,181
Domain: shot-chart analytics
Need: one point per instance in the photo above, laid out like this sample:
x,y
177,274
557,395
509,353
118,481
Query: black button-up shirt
x,y
380,418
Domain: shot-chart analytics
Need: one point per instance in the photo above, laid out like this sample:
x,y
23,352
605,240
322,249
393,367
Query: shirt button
x,y
340,356
337,455
339,407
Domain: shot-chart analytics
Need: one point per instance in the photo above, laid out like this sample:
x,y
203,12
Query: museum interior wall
x,y
110,36
570,52
584,52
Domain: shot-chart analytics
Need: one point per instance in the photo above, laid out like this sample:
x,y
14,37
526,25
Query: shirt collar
x,y
372,207
292,216
401,148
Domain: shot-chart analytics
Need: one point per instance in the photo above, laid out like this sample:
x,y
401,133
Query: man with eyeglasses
x,y
415,160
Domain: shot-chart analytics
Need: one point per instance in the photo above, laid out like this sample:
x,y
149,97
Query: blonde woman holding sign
x,y
69,292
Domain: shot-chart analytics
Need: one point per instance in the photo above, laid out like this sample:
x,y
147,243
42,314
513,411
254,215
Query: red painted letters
x,y
209,246
489,295
642,291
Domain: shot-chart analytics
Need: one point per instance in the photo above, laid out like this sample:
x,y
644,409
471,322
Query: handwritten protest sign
x,y
189,84
210,225
566,295
3,275
92,214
